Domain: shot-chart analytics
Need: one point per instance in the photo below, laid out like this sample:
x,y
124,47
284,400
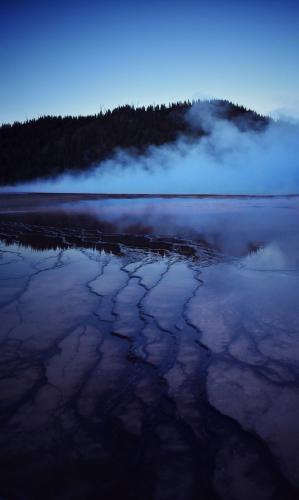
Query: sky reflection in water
x,y
192,320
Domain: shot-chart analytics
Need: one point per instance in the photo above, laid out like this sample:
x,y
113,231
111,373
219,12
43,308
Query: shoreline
x,y
141,195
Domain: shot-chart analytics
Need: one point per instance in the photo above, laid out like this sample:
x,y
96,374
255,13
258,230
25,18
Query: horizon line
x,y
148,195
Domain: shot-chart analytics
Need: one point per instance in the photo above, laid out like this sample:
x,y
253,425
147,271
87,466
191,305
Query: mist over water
x,y
165,316
233,158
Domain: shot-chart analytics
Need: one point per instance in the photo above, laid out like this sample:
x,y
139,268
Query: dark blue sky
x,y
75,57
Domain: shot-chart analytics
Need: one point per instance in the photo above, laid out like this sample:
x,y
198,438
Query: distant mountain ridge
x,y
52,145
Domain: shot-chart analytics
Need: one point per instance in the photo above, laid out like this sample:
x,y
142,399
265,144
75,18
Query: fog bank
x,y
233,158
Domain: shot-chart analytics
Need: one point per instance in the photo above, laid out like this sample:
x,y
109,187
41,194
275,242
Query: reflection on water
x,y
149,348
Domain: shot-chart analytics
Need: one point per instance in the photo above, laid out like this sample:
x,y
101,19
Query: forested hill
x,y
51,145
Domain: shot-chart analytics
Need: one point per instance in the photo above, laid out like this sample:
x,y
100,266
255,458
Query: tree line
x,y
51,145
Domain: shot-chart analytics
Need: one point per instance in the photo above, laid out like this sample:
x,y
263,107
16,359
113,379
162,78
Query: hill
x,y
51,145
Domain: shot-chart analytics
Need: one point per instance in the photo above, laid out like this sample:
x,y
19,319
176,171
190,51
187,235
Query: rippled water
x,y
149,348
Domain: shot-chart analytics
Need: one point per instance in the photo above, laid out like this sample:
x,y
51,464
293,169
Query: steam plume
x,y
232,158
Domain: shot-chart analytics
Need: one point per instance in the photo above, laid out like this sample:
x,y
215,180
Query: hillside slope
x,y
50,145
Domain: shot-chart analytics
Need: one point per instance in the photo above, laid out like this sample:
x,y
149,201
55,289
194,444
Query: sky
x,y
80,57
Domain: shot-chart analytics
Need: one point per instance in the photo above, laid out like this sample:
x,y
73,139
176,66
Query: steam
x,y
232,158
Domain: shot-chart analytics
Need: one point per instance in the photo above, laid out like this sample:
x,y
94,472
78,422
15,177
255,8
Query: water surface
x,y
149,347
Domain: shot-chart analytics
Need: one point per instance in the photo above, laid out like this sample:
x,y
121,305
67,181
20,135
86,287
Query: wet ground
x,y
149,348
